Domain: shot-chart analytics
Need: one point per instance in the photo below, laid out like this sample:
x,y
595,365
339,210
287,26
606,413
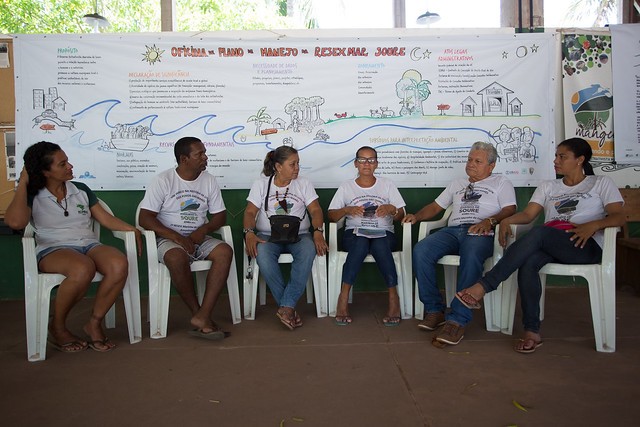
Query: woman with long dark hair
x,y
61,212
577,208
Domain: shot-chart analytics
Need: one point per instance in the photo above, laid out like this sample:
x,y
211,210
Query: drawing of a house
x,y
468,106
495,100
515,107
279,123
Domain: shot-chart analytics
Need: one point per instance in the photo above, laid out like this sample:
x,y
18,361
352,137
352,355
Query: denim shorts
x,y
202,250
80,249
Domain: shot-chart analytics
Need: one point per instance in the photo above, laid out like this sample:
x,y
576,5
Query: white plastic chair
x,y
492,301
401,258
602,292
38,287
316,285
160,282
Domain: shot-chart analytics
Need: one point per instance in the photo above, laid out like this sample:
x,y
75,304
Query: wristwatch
x,y
320,229
493,222
248,230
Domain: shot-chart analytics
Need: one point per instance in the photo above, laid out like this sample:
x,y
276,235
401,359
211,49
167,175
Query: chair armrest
x,y
225,235
428,227
29,259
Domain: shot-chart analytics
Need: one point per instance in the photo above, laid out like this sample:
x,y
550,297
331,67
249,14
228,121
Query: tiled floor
x,y
321,374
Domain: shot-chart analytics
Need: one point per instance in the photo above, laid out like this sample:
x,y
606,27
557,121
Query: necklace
x,y
64,208
283,202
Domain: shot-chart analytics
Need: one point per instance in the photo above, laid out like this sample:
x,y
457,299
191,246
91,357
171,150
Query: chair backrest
x,y
631,207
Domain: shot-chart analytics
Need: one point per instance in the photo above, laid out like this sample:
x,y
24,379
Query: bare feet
x,y
97,339
65,341
342,310
394,315
205,325
529,342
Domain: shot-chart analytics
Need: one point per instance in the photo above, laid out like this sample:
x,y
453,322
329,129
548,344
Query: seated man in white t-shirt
x,y
175,207
479,201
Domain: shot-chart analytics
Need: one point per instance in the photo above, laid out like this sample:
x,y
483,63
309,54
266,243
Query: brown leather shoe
x,y
432,321
451,333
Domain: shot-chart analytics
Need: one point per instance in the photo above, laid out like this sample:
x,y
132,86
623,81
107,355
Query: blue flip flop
x,y
343,320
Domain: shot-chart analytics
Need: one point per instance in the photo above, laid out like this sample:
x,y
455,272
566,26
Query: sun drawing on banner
x,y
152,55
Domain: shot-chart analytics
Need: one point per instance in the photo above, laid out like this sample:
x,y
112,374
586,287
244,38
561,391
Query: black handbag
x,y
284,228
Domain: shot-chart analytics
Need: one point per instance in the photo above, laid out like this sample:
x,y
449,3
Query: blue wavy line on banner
x,y
152,118
267,143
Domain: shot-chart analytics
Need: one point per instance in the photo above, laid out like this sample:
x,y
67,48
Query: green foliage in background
x,y
59,17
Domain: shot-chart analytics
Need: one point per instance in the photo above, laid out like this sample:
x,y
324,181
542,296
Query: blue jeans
x,y
528,254
473,251
359,247
303,252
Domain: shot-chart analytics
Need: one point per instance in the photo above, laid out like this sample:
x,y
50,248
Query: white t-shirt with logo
x,y
580,203
383,192
52,228
299,194
183,205
475,202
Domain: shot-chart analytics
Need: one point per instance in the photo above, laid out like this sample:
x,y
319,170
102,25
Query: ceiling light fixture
x,y
427,18
95,20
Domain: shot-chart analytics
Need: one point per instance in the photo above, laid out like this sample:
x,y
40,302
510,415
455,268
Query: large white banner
x,y
117,103
626,84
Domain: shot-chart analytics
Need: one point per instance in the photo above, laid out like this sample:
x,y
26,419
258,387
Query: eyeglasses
x,y
363,160
468,192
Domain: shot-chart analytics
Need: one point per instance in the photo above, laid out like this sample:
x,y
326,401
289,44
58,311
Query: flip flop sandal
x,y
105,343
527,349
69,347
286,320
343,320
297,320
391,321
468,300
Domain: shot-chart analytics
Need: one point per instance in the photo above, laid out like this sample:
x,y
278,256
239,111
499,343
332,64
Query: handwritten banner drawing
x,y
117,103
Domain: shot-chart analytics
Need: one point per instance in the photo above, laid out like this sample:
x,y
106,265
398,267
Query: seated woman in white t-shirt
x,y
577,207
280,191
370,205
61,211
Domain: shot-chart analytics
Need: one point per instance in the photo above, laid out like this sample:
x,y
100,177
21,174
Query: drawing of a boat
x,y
129,144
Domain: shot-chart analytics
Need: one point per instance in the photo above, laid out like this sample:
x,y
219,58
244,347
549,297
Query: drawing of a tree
x,y
259,119
413,91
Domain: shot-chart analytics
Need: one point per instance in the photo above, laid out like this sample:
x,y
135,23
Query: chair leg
x,y
251,293
234,295
603,313
450,281
110,317
509,297
131,299
37,320
492,305
159,305
418,307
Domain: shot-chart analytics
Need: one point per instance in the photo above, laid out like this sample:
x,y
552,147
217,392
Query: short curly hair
x,y
37,159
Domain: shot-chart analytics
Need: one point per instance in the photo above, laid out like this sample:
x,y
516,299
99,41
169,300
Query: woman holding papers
x,y
370,205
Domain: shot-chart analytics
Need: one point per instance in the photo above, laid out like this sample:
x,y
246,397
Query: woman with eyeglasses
x,y
479,201
370,205
577,208
285,193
